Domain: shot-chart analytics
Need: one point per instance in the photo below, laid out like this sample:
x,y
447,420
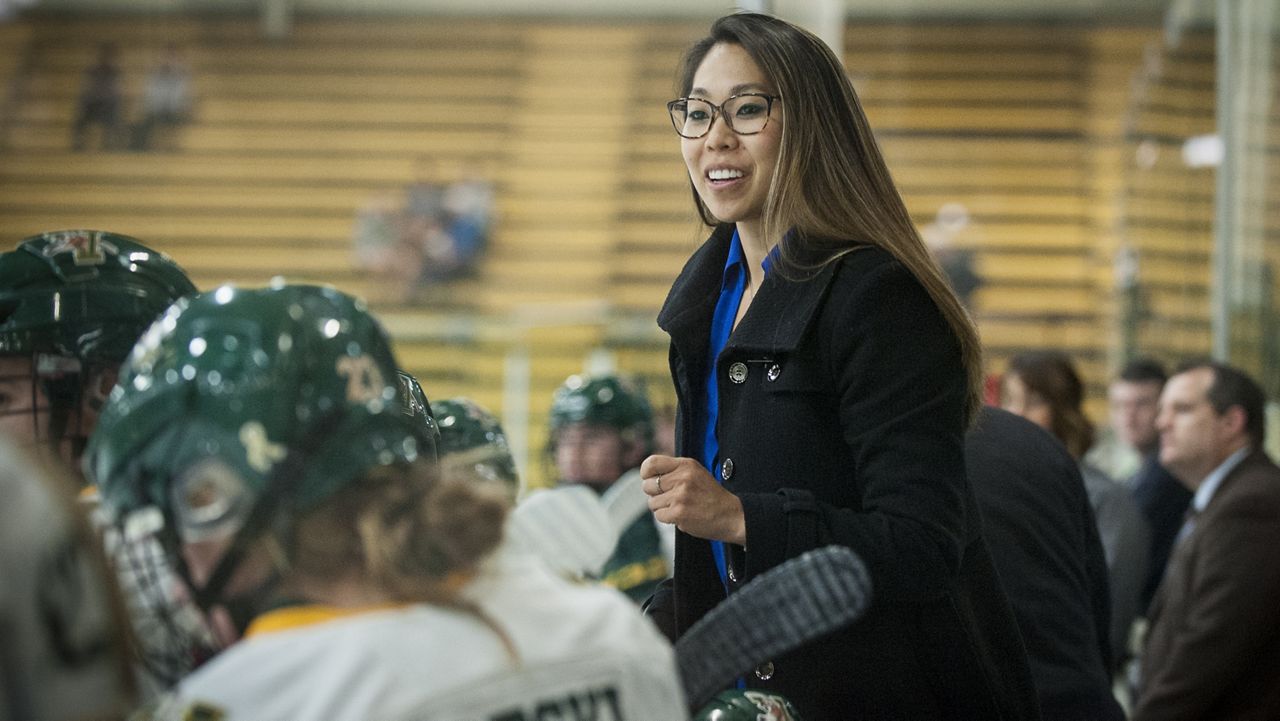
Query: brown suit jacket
x,y
1213,651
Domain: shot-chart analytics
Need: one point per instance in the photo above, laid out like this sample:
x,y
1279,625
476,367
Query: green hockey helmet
x,y
747,705
83,294
74,302
238,398
416,407
472,441
610,400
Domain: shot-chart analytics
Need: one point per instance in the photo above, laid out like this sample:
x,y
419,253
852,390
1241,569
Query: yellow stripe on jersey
x,y
634,574
283,619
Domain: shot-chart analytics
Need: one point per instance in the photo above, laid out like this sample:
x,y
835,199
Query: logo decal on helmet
x,y
364,380
772,708
86,248
260,452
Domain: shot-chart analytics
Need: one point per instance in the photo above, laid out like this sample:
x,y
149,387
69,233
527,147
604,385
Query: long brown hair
x,y
1050,375
830,184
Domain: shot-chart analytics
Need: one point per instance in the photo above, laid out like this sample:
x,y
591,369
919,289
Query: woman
x,y
1044,388
345,578
825,375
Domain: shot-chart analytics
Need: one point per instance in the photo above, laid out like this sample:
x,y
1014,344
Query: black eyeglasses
x,y
745,114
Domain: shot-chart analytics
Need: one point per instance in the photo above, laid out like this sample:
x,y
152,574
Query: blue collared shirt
x,y
732,287
1208,487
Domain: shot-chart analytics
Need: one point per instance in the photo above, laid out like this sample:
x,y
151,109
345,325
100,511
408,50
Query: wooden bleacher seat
x,y
1031,127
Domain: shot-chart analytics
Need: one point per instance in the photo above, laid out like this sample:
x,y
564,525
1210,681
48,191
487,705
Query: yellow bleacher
x,y
1031,127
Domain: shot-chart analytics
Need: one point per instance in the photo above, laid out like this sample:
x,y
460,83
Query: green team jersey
x,y
642,558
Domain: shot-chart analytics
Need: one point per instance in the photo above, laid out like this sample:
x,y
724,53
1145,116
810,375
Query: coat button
x,y
738,372
774,371
764,671
726,469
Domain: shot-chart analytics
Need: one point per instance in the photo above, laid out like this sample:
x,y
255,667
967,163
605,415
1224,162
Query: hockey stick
x,y
776,612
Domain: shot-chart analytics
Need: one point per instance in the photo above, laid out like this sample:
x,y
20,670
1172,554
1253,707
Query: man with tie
x,y
1213,651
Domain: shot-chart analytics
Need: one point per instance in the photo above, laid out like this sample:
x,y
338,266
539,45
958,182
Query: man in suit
x,y
1213,651
1134,397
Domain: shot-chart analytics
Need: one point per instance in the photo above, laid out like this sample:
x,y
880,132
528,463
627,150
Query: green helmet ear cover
x,y
244,379
85,294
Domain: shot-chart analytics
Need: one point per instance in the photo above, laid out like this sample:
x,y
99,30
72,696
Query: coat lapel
x,y
782,311
776,325
686,314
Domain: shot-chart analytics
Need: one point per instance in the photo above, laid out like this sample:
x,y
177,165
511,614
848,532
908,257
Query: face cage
x,y
64,394
173,638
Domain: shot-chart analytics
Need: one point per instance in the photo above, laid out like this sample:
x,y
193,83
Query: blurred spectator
x,y
424,195
1134,399
1213,651
167,102
435,234
99,101
422,219
957,263
1038,523
467,211
380,248
1044,388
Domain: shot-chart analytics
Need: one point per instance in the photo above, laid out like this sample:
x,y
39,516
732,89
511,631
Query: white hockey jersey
x,y
583,652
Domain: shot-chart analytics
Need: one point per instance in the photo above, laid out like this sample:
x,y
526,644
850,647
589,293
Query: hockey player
x,y
601,429
472,441
346,578
565,528
72,304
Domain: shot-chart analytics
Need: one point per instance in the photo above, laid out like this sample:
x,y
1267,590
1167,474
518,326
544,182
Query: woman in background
x,y
1044,388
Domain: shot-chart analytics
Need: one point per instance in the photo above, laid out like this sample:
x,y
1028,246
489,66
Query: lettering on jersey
x,y
597,704
364,380
86,248
259,451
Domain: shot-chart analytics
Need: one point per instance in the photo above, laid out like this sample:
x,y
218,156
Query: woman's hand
x,y
682,492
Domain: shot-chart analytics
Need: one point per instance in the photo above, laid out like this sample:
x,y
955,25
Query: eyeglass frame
x,y
718,110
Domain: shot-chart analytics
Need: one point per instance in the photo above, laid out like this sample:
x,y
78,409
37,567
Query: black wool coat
x,y
841,421
1038,523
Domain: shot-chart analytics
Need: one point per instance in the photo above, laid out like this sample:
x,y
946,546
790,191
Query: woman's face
x,y
1016,398
732,173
